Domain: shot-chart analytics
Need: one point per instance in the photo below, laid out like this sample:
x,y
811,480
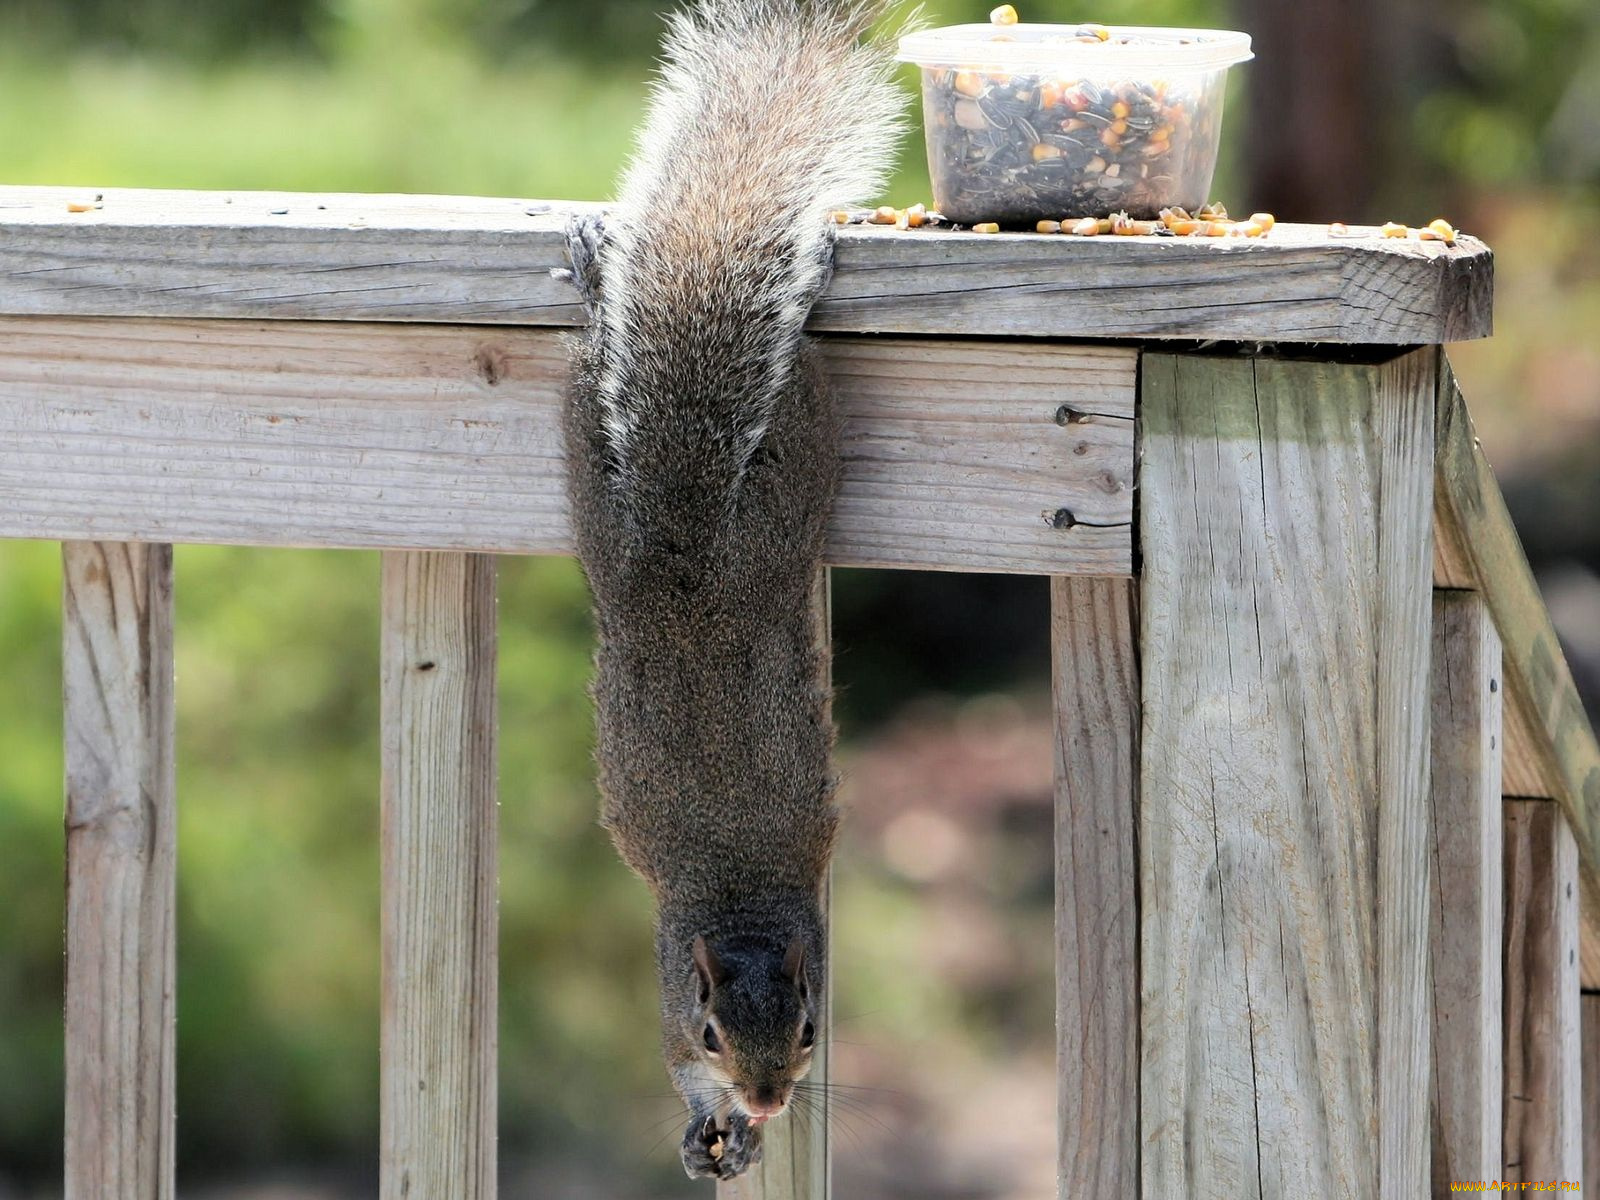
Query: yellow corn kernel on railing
x,y
1328,808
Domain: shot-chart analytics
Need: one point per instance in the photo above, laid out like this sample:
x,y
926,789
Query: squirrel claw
x,y
586,232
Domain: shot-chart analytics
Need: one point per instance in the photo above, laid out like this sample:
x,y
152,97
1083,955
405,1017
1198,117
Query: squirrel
x,y
703,456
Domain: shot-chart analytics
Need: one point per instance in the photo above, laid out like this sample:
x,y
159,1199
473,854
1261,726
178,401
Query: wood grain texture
x,y
1590,1020
1550,749
1543,1138
968,455
796,1158
1271,797
121,825
468,259
1095,676
440,929
1402,418
1469,895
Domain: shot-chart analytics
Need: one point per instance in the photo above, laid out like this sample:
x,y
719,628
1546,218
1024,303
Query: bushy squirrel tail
x,y
767,115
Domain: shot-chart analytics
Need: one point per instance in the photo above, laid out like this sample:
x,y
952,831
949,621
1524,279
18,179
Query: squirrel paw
x,y
585,233
712,1153
741,1148
699,1140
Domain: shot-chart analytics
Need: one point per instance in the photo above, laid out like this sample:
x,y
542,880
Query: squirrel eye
x,y
712,1041
808,1035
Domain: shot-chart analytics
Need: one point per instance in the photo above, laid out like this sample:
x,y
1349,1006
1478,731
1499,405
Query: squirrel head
x,y
753,1021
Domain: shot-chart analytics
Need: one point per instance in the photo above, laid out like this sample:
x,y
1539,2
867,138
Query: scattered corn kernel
x,y
885,215
1439,230
1004,15
1392,229
917,216
1339,229
1126,226
1214,211
1047,227
1265,220
840,216
79,206
902,219
1185,226
1087,227
1100,32
1217,228
986,227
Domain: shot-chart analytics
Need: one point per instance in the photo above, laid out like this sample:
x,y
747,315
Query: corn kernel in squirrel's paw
x,y
717,1148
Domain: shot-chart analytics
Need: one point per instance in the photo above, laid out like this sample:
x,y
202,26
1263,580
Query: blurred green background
x,y
1487,111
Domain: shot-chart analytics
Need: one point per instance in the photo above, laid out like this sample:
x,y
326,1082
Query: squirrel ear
x,y
794,958
707,966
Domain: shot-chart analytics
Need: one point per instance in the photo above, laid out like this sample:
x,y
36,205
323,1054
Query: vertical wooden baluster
x,y
795,1158
121,862
1095,680
1543,1118
440,928
1469,899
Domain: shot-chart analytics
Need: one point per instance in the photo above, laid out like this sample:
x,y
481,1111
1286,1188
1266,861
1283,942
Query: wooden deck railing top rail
x,y
464,259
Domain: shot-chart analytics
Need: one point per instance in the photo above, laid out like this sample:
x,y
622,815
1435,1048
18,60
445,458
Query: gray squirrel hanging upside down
x,y
703,451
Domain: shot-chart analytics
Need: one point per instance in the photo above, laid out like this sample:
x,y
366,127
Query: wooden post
x,y
1543,1139
1469,897
1095,675
796,1154
440,952
1283,820
121,860
1589,1018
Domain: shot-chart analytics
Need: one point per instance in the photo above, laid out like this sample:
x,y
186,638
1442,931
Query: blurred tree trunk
x,y
1319,91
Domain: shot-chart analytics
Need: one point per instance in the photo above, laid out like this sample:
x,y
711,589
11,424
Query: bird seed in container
x,y
1058,120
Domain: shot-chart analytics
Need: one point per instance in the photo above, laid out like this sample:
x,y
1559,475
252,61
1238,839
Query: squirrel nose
x,y
763,1104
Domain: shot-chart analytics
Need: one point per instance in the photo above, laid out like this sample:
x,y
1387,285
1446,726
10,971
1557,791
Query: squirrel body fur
x,y
703,459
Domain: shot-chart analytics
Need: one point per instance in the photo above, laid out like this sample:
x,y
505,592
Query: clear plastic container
x,y
1034,122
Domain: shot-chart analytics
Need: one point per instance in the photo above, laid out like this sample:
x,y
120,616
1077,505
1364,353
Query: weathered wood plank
x,y
468,259
1402,417
957,454
1543,1106
440,952
1095,678
1274,987
121,867
1469,898
1550,749
1590,1019
796,1158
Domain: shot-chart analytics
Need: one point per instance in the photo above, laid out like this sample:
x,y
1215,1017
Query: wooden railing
x,y
1326,848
